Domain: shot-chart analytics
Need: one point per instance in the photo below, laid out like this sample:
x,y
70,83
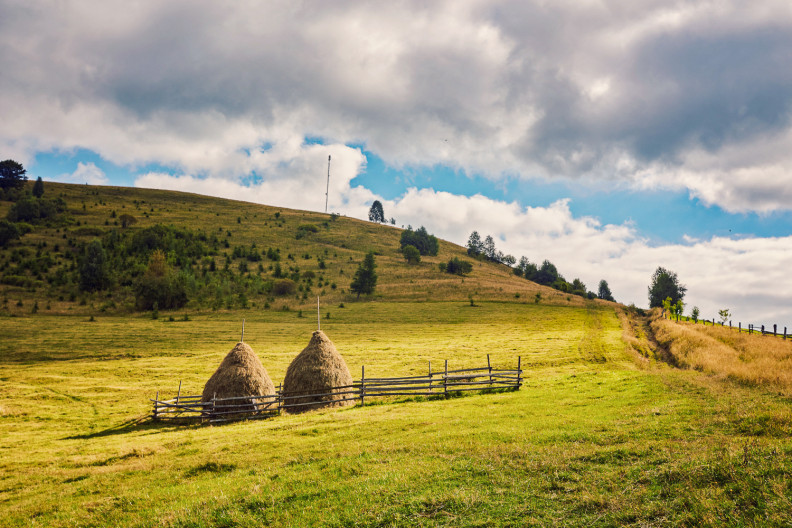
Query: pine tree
x,y
376,213
604,291
38,188
365,279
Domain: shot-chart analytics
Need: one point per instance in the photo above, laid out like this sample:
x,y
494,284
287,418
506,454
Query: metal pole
x,y
327,191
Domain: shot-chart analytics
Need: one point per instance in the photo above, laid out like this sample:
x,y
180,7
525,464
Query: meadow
x,y
597,436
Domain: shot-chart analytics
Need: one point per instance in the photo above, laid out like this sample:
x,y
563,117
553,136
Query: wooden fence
x,y
749,328
433,384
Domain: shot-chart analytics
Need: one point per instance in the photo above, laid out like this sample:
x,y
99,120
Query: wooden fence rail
x,y
433,384
750,328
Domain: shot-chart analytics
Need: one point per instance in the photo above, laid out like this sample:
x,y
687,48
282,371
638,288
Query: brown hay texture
x,y
240,374
318,369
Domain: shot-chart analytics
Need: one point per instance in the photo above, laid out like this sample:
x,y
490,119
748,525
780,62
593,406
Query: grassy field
x,y
598,436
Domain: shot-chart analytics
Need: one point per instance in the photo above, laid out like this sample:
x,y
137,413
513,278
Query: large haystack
x,y
318,369
240,374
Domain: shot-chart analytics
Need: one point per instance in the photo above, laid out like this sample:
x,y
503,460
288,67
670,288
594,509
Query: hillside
x,y
231,269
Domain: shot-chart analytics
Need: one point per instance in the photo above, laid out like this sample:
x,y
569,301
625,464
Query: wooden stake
x,y
430,375
489,366
156,404
318,316
362,384
178,393
242,339
445,379
519,371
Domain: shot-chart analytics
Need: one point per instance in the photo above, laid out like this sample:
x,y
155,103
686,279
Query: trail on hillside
x,y
592,348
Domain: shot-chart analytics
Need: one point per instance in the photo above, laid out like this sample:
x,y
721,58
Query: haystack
x,y
240,374
318,370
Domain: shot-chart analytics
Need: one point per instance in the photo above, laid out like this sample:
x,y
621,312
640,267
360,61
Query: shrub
x,y
425,243
283,287
458,267
411,254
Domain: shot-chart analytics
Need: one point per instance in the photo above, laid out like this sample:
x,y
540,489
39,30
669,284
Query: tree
x,y
411,254
694,314
127,220
547,274
424,242
578,288
8,232
38,188
604,291
664,284
160,287
474,244
365,279
724,315
376,214
489,248
12,174
93,268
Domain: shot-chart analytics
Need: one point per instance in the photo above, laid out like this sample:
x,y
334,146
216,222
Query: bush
x,y
8,232
458,267
284,287
411,254
425,243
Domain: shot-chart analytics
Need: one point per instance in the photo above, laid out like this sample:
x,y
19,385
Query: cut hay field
x,y
596,437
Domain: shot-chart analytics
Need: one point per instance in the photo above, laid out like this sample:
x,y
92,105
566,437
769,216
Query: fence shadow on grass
x,y
135,425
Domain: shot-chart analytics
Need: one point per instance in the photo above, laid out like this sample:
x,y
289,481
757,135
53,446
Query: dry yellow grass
x,y
752,359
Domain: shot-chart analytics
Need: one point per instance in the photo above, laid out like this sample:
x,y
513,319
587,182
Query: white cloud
x,y
85,173
636,91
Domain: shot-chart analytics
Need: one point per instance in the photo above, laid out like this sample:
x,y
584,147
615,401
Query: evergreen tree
x,y
38,188
12,174
365,279
604,291
376,213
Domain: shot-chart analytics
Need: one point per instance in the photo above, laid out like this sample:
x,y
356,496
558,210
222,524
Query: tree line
x,y
545,274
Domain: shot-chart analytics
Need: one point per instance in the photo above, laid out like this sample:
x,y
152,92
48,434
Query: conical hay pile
x,y
240,374
318,370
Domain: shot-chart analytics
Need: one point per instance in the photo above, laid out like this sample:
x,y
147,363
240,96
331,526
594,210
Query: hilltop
x,y
235,253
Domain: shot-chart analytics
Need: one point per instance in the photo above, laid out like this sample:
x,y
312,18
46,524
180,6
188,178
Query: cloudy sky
x,y
610,137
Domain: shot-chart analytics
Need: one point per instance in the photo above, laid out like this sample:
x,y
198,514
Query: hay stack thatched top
x,y
240,374
316,375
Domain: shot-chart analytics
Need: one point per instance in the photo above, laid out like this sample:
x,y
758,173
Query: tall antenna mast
x,y
327,191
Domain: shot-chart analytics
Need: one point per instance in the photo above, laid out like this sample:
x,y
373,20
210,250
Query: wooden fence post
x,y
762,329
178,393
156,406
519,371
280,397
362,384
739,327
774,330
445,380
430,375
489,367
785,332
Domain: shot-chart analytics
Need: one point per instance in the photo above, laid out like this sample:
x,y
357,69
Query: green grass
x,y
595,437
340,242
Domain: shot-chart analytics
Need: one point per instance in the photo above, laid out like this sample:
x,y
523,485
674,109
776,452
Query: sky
x,y
609,137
